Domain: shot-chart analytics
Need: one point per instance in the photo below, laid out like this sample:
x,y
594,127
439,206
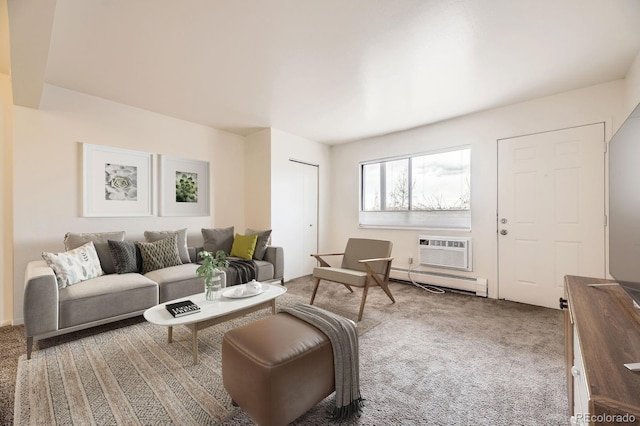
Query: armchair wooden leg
x,y
385,287
348,287
364,299
315,290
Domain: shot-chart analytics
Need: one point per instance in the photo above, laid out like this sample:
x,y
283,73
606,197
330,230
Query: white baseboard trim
x,y
465,283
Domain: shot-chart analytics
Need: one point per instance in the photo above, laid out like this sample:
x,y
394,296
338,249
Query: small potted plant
x,y
212,271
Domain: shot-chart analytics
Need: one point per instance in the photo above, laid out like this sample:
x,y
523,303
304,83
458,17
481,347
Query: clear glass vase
x,y
212,289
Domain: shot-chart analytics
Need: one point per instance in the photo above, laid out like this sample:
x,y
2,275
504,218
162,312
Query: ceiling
x,y
331,71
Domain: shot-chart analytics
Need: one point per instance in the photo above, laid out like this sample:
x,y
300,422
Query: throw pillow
x,y
261,244
160,254
151,236
126,256
244,246
74,266
72,241
218,239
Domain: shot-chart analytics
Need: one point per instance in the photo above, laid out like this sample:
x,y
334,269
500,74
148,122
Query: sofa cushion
x,y
74,266
244,246
261,244
218,239
105,297
177,281
151,236
126,256
72,241
159,254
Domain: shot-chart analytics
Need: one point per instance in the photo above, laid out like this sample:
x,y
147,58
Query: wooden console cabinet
x,y
602,333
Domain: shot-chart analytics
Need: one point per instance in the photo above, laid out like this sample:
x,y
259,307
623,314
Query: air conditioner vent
x,y
445,252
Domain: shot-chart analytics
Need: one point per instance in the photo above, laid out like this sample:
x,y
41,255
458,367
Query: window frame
x,y
450,219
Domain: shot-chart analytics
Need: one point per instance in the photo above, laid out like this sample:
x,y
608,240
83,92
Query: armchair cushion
x,y
341,275
359,248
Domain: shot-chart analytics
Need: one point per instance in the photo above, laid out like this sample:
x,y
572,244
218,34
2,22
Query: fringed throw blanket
x,y
344,340
244,271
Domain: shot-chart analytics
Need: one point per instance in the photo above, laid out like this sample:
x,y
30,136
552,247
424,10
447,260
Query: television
x,y
624,205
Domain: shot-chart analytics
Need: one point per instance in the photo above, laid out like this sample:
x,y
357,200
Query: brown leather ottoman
x,y
277,368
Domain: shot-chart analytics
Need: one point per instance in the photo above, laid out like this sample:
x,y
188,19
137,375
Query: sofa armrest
x,y
275,256
40,299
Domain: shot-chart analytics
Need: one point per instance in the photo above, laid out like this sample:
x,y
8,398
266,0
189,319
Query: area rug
x,y
131,375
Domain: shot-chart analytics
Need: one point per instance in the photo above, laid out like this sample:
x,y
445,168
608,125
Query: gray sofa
x,y
50,311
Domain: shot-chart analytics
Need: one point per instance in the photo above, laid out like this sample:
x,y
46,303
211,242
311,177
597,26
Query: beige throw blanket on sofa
x,y
344,340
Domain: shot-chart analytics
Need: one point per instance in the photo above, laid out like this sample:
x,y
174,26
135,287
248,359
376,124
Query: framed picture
x,y
184,187
116,182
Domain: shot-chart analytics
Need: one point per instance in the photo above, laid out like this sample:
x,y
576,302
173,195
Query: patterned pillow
x,y
183,249
126,256
72,241
74,266
160,254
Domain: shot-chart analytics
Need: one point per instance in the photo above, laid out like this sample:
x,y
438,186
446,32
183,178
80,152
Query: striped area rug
x,y
130,375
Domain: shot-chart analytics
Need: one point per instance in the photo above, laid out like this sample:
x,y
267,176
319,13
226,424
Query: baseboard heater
x,y
477,286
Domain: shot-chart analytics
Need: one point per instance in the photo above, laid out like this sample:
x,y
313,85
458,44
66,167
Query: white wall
x,y
47,175
257,172
632,86
285,146
481,130
6,201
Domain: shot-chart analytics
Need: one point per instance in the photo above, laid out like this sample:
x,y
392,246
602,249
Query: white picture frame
x,y
116,182
184,187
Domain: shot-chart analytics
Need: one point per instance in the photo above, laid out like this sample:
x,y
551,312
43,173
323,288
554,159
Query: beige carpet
x,y
131,375
428,359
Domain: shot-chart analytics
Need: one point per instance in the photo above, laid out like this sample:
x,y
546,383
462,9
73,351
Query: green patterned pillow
x,y
159,254
74,266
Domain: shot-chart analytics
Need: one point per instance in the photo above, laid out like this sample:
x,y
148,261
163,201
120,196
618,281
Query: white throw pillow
x,y
74,266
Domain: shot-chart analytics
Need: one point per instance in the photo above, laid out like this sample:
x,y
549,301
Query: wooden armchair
x,y
365,263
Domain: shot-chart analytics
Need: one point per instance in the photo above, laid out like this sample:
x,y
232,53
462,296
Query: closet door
x,y
304,209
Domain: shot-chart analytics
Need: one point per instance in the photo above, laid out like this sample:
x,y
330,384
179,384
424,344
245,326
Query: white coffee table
x,y
216,312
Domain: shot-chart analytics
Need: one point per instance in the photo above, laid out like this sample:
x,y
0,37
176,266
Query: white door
x,y
551,214
305,219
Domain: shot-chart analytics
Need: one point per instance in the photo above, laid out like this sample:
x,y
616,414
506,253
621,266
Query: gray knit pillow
x,y
159,254
126,256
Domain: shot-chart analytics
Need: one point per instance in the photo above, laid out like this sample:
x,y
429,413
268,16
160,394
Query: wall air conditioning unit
x,y
445,252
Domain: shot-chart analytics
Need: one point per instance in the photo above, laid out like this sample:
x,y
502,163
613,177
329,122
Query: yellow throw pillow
x,y
244,246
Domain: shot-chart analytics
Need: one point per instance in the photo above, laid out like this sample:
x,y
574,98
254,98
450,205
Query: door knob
x,y
503,232
503,220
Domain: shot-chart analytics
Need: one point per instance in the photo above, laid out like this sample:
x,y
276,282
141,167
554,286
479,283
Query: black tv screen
x,y
624,205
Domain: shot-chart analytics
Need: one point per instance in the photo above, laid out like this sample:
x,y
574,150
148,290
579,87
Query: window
x,y
426,191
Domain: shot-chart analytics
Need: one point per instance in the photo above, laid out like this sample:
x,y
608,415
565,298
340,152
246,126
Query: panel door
x,y
551,212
